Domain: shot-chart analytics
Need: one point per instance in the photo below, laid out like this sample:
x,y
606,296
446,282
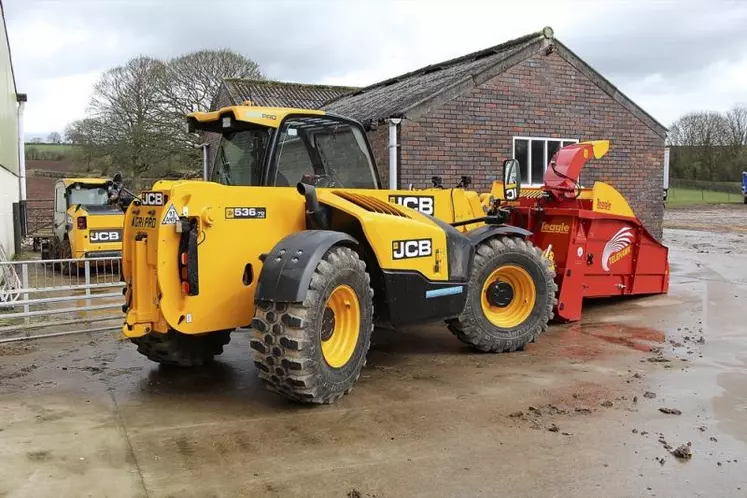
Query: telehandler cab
x,y
294,237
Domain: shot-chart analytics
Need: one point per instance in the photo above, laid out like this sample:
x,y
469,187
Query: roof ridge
x,y
286,83
450,62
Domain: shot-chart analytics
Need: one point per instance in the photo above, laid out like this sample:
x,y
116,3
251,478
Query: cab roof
x,y
89,181
265,116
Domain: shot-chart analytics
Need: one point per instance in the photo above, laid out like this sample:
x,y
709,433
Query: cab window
x,y
60,201
241,156
88,195
323,151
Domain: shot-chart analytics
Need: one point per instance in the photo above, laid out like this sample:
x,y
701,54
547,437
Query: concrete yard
x,y
577,414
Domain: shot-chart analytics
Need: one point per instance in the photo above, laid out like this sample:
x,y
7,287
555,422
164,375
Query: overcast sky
x,y
668,57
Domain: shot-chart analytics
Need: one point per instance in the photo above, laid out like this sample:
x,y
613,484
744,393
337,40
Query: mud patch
x,y
21,372
38,456
638,338
17,349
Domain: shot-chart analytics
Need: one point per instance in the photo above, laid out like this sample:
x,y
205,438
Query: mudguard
x,y
287,269
484,232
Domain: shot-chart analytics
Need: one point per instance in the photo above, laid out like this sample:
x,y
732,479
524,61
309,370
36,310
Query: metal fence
x,y
38,216
59,297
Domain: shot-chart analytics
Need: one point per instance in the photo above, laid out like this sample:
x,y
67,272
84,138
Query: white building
x,y
10,101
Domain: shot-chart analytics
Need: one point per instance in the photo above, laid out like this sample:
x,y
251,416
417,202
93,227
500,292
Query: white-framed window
x,y
533,154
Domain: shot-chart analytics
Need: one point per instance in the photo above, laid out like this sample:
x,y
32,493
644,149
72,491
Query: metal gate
x,y
59,297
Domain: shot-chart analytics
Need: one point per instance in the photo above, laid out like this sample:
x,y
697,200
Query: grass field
x,y
61,148
688,197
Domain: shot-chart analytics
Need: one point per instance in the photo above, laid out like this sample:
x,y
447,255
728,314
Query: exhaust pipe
x,y
316,214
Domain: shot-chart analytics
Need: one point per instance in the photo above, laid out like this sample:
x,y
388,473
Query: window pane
x,y
552,148
325,152
343,153
538,161
522,155
61,202
293,160
568,142
240,156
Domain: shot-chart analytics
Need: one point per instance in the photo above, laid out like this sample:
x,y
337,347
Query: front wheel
x,y
182,350
314,351
510,299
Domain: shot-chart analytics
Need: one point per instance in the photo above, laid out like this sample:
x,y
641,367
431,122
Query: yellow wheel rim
x,y
340,326
519,305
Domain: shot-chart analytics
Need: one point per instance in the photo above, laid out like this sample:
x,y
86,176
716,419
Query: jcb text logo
x,y
105,236
422,203
403,249
554,227
152,198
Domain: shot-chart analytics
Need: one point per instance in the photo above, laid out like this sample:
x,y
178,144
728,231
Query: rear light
x,y
82,223
187,259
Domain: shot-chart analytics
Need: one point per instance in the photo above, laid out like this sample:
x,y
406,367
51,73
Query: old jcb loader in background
x,y
311,266
87,223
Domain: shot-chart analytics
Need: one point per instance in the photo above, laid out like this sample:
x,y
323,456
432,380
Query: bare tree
x,y
136,115
126,107
54,138
192,81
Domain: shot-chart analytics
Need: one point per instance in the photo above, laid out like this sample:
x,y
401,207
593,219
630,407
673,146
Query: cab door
x,y
60,211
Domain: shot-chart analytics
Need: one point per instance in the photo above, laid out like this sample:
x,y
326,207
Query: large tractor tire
x,y
510,298
314,351
182,350
66,252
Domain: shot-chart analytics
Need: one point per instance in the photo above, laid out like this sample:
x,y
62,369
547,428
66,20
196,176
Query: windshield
x,y
323,151
240,157
88,196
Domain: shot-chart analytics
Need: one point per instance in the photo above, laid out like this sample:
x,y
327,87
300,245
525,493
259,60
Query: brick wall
x,y
545,97
379,139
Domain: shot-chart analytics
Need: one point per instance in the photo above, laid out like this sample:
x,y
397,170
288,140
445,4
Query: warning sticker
x,y
171,216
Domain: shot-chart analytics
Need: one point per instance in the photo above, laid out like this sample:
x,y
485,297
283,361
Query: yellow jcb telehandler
x,y
294,238
87,221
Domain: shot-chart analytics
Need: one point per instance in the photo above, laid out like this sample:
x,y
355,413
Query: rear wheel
x,y
66,252
314,351
183,350
510,299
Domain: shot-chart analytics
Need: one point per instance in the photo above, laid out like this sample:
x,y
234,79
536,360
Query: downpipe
x,y
393,150
315,213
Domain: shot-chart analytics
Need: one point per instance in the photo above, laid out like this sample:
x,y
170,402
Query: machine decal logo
x,y
405,249
152,198
604,205
617,248
246,213
555,227
171,216
101,236
422,203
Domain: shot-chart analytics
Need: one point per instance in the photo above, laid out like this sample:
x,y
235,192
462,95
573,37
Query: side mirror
x,y
117,178
511,179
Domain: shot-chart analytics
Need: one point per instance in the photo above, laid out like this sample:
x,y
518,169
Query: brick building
x,y
524,99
